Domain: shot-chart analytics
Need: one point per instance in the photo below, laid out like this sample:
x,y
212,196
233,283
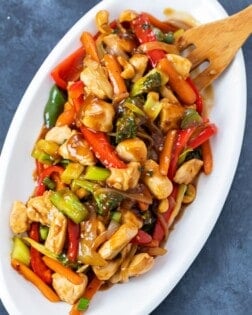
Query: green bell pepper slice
x,y
54,106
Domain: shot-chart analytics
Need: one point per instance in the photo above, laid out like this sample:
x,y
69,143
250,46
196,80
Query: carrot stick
x,y
63,270
143,206
88,43
74,310
114,70
29,275
183,89
67,116
165,156
93,286
207,157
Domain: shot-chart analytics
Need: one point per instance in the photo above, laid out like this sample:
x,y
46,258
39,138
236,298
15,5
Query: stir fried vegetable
x,y
123,142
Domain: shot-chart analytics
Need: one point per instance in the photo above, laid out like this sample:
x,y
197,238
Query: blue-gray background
x,y
219,282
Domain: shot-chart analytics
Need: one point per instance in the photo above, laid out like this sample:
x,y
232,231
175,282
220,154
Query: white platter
x,y
141,295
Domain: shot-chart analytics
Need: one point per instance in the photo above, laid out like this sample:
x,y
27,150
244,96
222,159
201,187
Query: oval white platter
x,y
140,295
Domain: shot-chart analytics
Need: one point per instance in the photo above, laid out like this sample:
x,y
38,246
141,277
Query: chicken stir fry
x,y
124,139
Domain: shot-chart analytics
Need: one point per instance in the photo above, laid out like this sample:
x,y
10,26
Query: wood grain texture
x,y
217,43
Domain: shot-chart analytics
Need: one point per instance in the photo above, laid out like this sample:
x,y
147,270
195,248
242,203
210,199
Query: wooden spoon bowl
x,y
217,43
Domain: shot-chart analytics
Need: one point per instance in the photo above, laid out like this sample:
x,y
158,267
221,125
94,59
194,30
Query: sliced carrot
x,y
207,157
114,71
29,275
74,310
67,116
68,273
166,153
88,43
143,206
93,286
182,88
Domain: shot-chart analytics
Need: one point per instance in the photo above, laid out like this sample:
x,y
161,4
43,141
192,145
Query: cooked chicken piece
x,y
139,62
19,221
188,171
77,149
159,185
118,240
113,46
96,80
58,134
39,208
132,150
130,217
140,264
124,178
57,232
98,115
118,46
181,64
106,272
66,290
170,115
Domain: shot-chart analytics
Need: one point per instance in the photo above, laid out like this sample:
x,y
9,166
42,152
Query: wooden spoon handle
x,y
242,21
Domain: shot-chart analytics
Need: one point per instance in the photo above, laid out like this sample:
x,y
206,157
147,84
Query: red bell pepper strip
x,y
203,136
102,149
76,94
37,264
39,168
142,28
73,236
159,233
69,69
183,137
199,100
47,172
142,238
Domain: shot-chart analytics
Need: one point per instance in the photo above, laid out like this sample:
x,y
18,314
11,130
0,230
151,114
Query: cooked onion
x,y
139,196
104,236
171,49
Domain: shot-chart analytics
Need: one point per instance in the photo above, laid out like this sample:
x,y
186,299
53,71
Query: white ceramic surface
x,y
141,295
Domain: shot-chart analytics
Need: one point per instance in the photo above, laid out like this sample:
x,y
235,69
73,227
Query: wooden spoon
x,y
217,43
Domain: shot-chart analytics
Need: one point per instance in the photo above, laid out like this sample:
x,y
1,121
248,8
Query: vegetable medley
x,y
124,139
